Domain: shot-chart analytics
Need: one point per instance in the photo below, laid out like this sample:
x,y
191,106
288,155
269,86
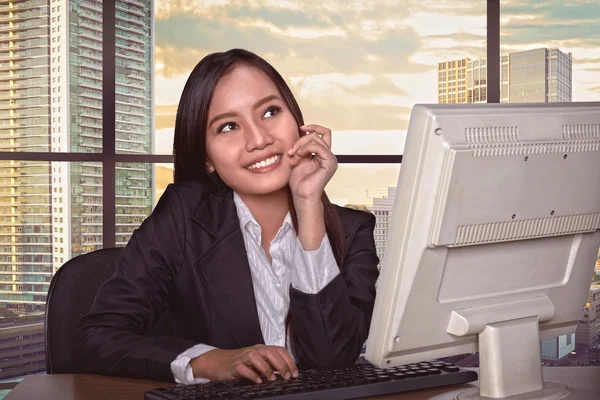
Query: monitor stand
x,y
510,367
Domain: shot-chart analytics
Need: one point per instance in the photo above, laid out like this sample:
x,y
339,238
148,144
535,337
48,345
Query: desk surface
x,y
92,387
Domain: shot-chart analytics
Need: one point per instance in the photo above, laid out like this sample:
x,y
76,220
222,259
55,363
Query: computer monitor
x,y
493,238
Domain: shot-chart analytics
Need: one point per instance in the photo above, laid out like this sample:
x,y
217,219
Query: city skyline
x,y
536,75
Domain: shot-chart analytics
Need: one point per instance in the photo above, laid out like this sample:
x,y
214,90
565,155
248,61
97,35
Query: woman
x,y
258,270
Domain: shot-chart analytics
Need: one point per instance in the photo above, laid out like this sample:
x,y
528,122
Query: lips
x,y
265,162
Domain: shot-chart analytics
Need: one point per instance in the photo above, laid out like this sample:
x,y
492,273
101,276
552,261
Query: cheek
x,y
224,156
292,132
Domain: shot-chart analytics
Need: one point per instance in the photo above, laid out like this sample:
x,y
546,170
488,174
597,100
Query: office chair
x,y
71,294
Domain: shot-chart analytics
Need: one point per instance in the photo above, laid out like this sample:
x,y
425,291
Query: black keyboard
x,y
354,381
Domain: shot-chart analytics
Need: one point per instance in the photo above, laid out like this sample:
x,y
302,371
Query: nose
x,y
257,137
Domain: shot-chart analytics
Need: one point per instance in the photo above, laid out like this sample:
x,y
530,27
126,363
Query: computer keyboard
x,y
354,381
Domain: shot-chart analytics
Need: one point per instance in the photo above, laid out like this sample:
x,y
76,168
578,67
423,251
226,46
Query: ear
x,y
209,167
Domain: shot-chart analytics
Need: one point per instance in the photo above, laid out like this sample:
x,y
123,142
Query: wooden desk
x,y
96,387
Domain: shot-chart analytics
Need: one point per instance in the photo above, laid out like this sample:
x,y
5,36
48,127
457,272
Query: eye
x,y
271,111
227,127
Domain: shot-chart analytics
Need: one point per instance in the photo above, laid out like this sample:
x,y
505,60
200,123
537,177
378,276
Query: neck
x,y
269,210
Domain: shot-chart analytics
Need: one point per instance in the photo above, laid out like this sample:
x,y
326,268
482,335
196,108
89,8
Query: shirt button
x,y
274,281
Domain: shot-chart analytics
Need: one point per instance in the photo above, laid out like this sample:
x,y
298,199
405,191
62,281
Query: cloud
x,y
182,40
338,116
551,23
284,17
554,11
586,60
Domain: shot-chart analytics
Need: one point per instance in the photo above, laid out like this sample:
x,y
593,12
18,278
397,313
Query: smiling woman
x,y
356,68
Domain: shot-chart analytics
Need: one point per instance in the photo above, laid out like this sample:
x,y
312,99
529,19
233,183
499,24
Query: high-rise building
x,y
538,75
22,349
452,81
51,100
557,348
382,209
588,329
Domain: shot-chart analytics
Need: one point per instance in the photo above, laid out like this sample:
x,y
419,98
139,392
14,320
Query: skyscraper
x,y
382,209
452,84
51,100
538,75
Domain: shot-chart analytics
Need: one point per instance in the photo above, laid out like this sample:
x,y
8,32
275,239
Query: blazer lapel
x,y
225,270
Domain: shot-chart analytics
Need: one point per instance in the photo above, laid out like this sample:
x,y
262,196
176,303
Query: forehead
x,y
242,86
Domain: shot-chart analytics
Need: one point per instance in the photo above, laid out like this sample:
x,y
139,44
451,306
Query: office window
x,y
549,54
358,72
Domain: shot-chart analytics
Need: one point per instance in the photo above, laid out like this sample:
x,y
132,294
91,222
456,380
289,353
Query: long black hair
x,y
189,147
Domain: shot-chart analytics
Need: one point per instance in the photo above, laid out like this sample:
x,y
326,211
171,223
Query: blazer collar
x,y
216,212
224,268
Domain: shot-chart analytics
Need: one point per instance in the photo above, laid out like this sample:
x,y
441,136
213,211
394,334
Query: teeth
x,y
264,163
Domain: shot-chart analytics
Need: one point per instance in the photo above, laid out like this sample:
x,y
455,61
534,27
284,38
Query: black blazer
x,y
189,257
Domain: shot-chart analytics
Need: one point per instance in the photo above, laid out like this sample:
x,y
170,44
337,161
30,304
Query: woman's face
x,y
250,129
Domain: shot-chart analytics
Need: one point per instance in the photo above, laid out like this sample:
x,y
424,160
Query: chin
x,y
259,190
261,186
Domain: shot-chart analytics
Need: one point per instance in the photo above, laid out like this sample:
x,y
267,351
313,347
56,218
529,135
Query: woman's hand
x,y
310,174
249,362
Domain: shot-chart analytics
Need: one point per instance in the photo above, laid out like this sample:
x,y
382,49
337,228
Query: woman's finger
x,y
260,364
316,128
323,132
285,355
248,373
322,153
307,138
277,362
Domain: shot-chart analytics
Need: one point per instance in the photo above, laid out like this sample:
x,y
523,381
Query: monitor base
x,y
551,391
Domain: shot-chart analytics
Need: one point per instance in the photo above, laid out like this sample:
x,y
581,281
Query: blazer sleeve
x,y
110,338
332,325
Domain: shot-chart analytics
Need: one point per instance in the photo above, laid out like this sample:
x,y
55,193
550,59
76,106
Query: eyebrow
x,y
254,107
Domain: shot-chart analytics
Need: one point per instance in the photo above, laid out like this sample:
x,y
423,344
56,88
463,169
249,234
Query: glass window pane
x,y
368,187
134,198
550,54
163,175
551,43
86,207
133,79
50,212
51,76
352,69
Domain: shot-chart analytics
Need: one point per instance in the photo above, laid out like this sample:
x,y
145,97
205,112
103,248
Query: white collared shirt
x,y
307,271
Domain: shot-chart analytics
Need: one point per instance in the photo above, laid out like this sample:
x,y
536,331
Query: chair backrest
x,y
71,294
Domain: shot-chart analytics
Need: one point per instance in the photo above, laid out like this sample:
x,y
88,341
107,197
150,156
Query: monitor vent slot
x,y
526,229
581,132
492,135
528,149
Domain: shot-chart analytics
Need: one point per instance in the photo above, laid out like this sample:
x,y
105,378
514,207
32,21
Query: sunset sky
x,y
359,66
